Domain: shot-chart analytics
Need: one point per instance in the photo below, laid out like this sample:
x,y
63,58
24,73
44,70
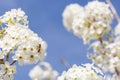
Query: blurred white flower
x,y
36,73
8,77
43,71
69,13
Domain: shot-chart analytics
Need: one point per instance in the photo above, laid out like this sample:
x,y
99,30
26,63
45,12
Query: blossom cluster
x,y
43,71
93,22
107,54
18,42
90,22
85,72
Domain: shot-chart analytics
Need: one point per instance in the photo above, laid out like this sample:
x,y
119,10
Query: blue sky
x,y
45,18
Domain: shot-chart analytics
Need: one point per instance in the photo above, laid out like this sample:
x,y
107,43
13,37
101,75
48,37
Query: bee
x,y
1,61
39,48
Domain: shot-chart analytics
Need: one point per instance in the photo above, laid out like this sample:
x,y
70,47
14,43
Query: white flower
x,y
69,13
32,58
8,69
43,71
85,72
5,44
20,57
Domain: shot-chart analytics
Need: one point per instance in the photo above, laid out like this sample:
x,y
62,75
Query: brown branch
x,y
113,10
7,56
117,72
103,51
100,39
101,42
65,63
13,62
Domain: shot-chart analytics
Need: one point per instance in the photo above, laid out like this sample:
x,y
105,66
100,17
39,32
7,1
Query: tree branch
x,y
113,10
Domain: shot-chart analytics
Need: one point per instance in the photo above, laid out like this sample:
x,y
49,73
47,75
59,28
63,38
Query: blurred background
x,y
45,19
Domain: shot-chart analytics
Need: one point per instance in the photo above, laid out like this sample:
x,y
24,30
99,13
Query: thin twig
x,y
65,63
117,72
113,10
7,56
13,62
100,39
103,51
